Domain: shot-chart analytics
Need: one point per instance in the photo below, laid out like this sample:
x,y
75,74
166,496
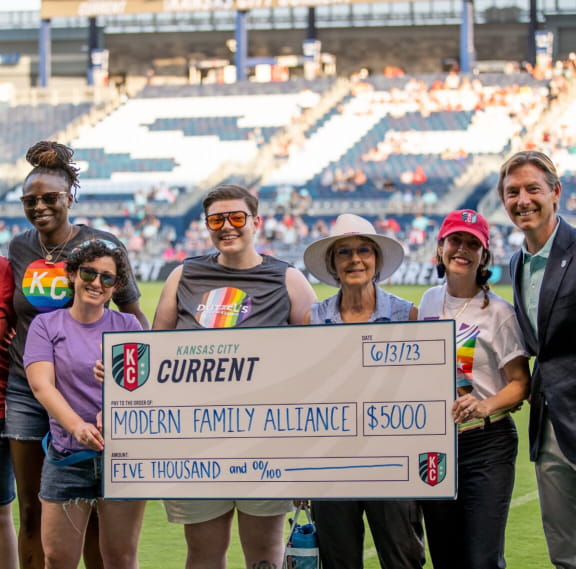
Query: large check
x,y
349,411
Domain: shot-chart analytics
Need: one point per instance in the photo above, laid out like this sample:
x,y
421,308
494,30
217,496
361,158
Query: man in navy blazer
x,y
544,281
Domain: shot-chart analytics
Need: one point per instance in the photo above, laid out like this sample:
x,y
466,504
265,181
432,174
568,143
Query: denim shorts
x,y
7,493
26,418
82,480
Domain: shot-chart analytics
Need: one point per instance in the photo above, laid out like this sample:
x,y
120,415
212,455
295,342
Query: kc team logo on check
x,y
130,365
432,467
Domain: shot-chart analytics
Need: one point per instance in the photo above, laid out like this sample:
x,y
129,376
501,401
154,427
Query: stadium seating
x,y
388,127
376,137
181,134
22,125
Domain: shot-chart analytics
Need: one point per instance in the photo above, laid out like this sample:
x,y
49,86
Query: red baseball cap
x,y
468,221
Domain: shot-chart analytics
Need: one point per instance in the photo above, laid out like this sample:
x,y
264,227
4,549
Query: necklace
x,y
460,311
51,256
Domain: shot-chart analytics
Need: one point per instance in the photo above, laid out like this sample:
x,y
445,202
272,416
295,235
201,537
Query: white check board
x,y
347,411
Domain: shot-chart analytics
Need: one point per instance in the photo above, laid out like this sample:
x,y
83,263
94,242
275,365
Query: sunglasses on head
x,y
49,198
88,275
215,221
364,252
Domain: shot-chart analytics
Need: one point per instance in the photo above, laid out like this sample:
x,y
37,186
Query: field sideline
x,y
162,544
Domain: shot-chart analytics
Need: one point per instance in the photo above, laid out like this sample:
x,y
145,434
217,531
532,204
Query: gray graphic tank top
x,y
213,296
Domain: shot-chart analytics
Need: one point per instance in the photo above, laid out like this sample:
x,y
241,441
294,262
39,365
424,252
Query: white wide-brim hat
x,y
348,225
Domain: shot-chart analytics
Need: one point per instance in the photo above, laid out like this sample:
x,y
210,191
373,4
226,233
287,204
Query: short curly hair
x,y
95,249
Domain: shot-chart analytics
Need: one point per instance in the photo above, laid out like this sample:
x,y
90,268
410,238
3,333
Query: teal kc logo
x,y
130,365
432,467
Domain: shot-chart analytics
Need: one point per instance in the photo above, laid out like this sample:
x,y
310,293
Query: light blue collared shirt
x,y
389,308
533,267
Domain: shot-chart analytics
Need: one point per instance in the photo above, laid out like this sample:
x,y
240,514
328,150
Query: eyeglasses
x,y
364,252
215,221
88,275
49,198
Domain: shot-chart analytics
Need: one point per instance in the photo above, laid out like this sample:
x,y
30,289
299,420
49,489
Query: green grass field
x,y
525,546
162,544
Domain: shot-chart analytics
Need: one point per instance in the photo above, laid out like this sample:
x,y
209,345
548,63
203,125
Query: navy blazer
x,y
553,387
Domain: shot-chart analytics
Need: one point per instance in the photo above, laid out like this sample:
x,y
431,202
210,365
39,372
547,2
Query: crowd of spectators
x,y
289,199
413,205
454,92
283,235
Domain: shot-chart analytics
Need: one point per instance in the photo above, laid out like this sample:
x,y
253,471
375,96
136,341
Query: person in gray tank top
x,y
355,259
234,287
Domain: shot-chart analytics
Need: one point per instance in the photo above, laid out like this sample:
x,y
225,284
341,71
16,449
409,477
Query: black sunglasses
x,y
49,198
88,275
215,221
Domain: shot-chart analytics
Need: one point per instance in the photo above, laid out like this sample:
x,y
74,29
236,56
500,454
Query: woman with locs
x,y
38,258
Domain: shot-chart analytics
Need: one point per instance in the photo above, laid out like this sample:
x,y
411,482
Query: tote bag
x,y
302,545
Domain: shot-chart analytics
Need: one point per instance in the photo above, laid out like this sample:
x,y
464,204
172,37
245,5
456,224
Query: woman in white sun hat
x,y
355,259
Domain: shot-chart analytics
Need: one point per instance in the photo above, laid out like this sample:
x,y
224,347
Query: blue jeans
x,y
26,418
468,533
7,491
79,481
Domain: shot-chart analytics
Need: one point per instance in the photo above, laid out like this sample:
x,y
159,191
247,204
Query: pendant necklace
x,y
462,308
51,256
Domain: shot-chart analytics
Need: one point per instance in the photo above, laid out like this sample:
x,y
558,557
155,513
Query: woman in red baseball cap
x,y
492,379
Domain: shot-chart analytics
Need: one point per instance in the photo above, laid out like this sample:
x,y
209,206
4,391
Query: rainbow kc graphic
x,y
130,365
45,285
432,467
465,347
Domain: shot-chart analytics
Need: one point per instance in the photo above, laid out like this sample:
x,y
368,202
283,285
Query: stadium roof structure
x,y
92,8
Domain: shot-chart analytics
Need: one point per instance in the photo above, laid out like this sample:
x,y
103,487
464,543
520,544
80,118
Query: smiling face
x,y
230,240
462,254
531,203
93,293
50,218
354,261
